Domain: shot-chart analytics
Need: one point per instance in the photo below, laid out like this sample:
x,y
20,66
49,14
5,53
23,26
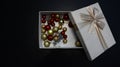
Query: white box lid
x,y
95,38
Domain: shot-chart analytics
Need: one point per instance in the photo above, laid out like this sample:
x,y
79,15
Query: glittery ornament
x,y
46,43
43,36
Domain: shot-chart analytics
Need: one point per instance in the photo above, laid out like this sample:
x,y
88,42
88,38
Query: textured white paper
x,y
91,42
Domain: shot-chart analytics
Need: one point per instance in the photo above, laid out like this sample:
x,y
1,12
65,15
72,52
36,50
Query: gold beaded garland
x,y
50,32
46,43
43,36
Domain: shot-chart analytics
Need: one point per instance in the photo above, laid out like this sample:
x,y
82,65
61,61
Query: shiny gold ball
x,y
50,32
43,30
55,29
64,41
43,36
43,26
46,43
60,27
57,16
56,38
64,29
77,43
61,21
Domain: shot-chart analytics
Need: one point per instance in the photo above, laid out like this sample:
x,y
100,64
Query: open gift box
x,y
84,28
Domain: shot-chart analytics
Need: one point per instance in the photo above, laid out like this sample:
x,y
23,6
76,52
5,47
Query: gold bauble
x,y
60,27
55,29
50,32
61,22
57,16
64,29
77,43
43,36
46,43
64,41
43,26
56,38
43,30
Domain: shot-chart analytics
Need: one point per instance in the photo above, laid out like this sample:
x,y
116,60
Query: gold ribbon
x,y
94,20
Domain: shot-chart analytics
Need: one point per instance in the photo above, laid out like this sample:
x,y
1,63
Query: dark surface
x,y
21,22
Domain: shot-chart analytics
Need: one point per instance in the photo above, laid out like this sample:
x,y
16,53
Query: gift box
x,y
89,31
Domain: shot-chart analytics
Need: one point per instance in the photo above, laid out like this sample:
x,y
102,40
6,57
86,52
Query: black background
x,y
21,28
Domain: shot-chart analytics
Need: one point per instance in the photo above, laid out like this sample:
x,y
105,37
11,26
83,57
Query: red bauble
x,y
43,16
57,19
53,24
47,27
53,15
50,37
43,20
63,32
65,36
51,20
65,17
70,24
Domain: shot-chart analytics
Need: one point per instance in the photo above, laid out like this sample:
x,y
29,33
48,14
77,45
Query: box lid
x,y
92,30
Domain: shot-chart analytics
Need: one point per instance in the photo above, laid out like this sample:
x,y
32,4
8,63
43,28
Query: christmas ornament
x,y
43,36
50,32
46,43
64,41
77,43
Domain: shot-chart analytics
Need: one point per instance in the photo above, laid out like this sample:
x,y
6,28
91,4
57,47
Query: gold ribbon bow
x,y
94,20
